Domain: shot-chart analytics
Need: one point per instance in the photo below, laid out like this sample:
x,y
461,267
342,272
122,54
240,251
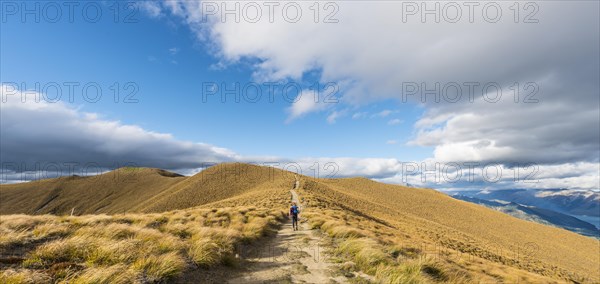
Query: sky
x,y
449,95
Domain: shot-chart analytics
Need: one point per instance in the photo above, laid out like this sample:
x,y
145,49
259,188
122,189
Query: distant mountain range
x,y
574,210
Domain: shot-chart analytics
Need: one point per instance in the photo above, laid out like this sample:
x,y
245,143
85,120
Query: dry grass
x,y
114,192
120,274
131,248
387,262
406,235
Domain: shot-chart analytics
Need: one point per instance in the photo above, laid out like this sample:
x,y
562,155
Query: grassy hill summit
x,y
228,223
139,190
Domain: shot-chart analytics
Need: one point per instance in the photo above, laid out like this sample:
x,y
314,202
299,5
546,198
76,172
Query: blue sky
x,y
169,65
369,53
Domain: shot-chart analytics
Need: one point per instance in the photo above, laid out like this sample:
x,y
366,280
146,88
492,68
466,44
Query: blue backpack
x,y
295,210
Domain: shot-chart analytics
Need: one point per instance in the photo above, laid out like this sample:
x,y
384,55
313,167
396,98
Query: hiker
x,y
294,211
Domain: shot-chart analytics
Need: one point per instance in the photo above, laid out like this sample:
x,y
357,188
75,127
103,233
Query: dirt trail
x,y
291,256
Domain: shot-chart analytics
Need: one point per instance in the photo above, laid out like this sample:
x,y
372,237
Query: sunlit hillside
x,y
165,227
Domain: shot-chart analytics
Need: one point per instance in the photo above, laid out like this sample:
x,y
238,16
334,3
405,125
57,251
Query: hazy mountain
x,y
567,201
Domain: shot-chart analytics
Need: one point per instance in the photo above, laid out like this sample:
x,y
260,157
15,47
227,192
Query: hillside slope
x,y
409,216
222,183
112,192
144,190
394,223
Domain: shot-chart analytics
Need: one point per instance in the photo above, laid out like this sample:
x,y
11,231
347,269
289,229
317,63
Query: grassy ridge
x,y
394,234
141,190
112,192
232,184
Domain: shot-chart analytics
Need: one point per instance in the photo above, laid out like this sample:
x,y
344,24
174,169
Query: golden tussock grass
x,y
20,276
130,248
409,235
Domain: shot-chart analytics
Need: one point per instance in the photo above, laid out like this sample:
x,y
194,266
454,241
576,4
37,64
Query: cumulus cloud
x,y
151,8
394,121
306,102
548,132
359,115
383,113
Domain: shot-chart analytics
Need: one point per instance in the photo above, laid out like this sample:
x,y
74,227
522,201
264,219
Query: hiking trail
x,y
291,256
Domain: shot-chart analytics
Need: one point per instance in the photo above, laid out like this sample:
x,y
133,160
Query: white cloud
x,y
306,102
359,115
151,8
391,142
383,113
333,116
173,50
395,121
507,133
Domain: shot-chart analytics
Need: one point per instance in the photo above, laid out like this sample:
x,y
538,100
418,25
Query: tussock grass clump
x,y
402,252
23,222
345,232
118,274
408,272
20,230
366,253
315,222
75,249
205,252
9,238
20,276
159,267
114,252
211,246
422,270
333,227
114,231
50,230
255,228
158,242
180,230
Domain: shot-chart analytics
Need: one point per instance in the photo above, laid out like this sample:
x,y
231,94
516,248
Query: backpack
x,y
295,210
